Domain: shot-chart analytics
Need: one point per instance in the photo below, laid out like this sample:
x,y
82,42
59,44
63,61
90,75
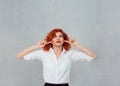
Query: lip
x,y
58,41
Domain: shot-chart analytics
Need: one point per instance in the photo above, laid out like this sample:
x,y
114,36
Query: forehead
x,y
58,33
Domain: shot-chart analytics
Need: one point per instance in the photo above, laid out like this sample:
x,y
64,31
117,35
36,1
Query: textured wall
x,y
94,23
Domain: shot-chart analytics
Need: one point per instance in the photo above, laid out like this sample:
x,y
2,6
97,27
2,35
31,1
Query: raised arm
x,y
38,45
73,42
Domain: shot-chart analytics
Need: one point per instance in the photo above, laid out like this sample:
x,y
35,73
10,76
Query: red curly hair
x,y
51,34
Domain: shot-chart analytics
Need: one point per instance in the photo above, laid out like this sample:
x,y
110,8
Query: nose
x,y
57,37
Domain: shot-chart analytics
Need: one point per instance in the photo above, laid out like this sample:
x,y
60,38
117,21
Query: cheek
x,y
53,40
62,39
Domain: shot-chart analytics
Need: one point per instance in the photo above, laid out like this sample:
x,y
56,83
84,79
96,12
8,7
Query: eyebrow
x,y
58,35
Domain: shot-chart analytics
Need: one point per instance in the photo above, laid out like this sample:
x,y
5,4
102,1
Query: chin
x,y
58,45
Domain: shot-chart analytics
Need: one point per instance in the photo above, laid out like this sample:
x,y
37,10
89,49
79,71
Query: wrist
x,y
35,47
80,47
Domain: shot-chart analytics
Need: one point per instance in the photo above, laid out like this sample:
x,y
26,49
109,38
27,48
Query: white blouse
x,y
57,70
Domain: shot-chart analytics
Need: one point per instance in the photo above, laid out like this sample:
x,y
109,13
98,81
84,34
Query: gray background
x,y
94,23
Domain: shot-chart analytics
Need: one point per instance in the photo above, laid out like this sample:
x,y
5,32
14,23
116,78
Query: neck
x,y
57,50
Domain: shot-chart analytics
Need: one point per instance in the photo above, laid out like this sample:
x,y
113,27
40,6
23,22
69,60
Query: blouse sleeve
x,y
80,56
35,55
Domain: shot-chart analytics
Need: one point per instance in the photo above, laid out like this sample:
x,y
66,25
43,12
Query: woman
x,y
57,56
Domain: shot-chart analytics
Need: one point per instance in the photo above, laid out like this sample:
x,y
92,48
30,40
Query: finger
x,y
72,40
42,42
48,42
66,41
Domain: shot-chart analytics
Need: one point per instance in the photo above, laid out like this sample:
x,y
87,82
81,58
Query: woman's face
x,y
58,39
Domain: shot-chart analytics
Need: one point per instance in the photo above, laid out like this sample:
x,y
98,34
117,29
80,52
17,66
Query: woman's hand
x,y
41,43
72,42
38,45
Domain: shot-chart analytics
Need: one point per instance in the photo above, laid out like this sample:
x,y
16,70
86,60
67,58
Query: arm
x,y
87,51
73,42
40,44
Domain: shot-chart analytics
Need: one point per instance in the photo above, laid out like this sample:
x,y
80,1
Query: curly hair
x,y
51,34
